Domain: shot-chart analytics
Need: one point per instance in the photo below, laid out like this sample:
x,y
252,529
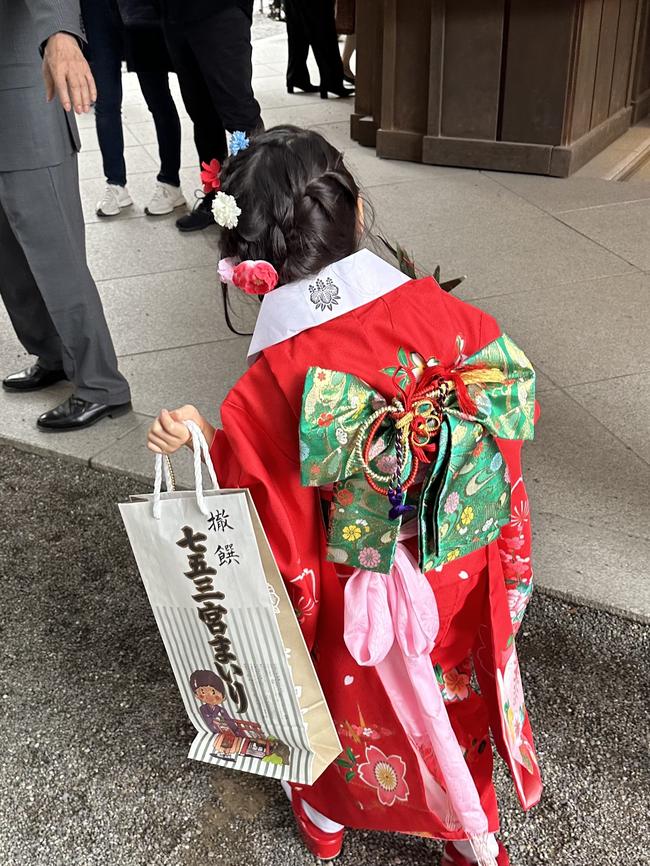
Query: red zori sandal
x,y
453,857
325,846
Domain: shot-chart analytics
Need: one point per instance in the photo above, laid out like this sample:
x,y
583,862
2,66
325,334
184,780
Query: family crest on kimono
x,y
379,430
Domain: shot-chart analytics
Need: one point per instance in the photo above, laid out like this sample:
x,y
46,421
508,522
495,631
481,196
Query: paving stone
x,y
200,375
86,121
141,186
131,456
137,159
498,255
621,404
189,157
18,414
171,309
576,469
584,332
556,195
591,565
263,70
89,140
145,131
622,228
310,113
122,248
369,171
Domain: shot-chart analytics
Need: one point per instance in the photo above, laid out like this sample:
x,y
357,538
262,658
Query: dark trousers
x,y
312,24
212,59
104,30
45,283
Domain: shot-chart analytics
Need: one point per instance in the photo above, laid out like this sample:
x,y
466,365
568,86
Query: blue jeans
x,y
105,32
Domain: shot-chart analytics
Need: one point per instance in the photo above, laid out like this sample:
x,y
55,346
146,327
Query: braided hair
x,y
298,203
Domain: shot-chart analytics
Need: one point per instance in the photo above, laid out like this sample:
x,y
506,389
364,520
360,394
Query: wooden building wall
x,y
524,85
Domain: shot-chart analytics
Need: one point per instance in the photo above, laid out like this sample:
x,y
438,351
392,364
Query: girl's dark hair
x,y
298,203
206,678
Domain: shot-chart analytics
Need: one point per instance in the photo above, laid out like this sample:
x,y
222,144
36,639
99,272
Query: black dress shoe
x,y
32,379
200,218
75,414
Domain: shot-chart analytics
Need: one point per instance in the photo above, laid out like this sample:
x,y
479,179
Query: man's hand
x,y
67,74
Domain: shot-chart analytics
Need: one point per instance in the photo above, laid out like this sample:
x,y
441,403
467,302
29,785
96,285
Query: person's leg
x,y
222,47
105,53
160,102
298,43
349,47
24,303
321,25
43,209
209,133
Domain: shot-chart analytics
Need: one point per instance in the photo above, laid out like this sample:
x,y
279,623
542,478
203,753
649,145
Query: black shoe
x,y
200,218
33,379
349,78
342,91
75,414
305,87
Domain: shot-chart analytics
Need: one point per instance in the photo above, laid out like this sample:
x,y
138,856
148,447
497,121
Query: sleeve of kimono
x,y
258,449
515,540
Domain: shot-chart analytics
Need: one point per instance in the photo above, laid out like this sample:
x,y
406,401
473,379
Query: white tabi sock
x,y
463,847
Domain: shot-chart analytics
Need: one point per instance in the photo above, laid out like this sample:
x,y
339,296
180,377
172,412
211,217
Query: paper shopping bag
x,y
233,641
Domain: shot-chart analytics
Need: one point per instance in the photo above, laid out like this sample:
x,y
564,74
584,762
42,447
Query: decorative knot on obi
x,y
437,430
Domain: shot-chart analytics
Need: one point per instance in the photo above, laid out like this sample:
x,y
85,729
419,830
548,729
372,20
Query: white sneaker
x,y
114,199
165,199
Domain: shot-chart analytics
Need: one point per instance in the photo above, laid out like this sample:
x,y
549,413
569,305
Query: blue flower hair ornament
x,y
238,141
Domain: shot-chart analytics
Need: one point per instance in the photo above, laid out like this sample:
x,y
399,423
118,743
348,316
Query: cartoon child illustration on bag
x,y
208,687
234,737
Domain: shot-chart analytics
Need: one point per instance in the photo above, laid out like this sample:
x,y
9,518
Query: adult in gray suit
x,y
45,283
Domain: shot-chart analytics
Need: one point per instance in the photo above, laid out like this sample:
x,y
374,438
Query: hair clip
x,y
225,210
238,141
210,176
252,277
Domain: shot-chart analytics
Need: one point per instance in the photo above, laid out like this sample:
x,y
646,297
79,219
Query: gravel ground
x,y
94,738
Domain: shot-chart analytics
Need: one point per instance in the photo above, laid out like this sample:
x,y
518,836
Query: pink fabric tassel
x,y
391,623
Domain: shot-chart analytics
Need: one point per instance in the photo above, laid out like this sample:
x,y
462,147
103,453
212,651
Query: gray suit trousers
x,y
45,283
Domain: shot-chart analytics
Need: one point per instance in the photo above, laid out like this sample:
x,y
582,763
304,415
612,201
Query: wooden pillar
x,y
365,119
405,96
640,81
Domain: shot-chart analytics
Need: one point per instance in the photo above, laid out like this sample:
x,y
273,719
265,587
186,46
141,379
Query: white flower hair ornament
x,y
225,210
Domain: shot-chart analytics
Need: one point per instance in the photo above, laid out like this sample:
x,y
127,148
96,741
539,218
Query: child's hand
x,y
168,433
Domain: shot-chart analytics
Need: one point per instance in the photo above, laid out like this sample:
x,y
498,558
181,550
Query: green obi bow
x,y
437,435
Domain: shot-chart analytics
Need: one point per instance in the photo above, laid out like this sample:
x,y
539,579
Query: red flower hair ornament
x,y
210,176
253,278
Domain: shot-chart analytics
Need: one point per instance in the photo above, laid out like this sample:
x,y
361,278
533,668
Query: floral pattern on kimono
x,y
511,697
515,549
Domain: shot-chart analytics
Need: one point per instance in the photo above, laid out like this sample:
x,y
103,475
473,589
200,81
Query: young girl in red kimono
x,y
379,429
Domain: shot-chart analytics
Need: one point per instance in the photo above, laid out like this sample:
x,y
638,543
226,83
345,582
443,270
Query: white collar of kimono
x,y
336,290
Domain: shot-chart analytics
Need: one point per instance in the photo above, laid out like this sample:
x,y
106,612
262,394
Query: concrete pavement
x,y
563,264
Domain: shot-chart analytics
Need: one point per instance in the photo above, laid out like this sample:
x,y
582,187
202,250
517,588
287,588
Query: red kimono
x,y
377,783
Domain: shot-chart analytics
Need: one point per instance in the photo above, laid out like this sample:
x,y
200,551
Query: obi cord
x,y
428,452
